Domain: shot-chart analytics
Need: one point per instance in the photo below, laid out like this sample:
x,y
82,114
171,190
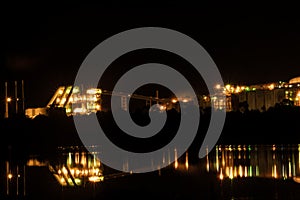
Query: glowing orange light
x,y
174,100
176,162
221,175
61,92
98,107
218,86
96,178
9,176
64,171
227,87
162,107
186,161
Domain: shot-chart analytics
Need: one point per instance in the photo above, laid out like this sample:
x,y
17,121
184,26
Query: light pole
x,y
6,101
24,181
9,176
18,176
23,98
16,96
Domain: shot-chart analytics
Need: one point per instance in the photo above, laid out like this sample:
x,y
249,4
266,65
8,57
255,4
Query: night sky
x,y
46,45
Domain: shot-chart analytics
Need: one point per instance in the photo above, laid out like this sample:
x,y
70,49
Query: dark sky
x,y
45,44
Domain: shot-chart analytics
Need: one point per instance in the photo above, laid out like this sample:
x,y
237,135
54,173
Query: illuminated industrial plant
x,y
77,101
72,100
258,97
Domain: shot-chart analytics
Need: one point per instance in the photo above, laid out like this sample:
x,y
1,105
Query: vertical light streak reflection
x,y
187,160
207,160
176,161
217,158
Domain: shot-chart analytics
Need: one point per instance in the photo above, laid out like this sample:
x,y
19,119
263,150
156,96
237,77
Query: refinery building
x,y
74,100
259,97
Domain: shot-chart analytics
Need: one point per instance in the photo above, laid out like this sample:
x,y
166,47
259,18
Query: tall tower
x,y
6,102
23,97
16,96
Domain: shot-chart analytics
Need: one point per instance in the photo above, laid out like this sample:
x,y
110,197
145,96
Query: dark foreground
x,y
42,136
194,183
166,184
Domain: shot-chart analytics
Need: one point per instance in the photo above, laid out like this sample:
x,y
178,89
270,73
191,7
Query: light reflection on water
x,y
266,161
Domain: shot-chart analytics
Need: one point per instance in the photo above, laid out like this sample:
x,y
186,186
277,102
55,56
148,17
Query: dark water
x,y
227,172
263,161
256,171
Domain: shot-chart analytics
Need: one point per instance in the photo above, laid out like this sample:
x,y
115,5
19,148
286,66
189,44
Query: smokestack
x,y
7,178
16,96
23,97
6,102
